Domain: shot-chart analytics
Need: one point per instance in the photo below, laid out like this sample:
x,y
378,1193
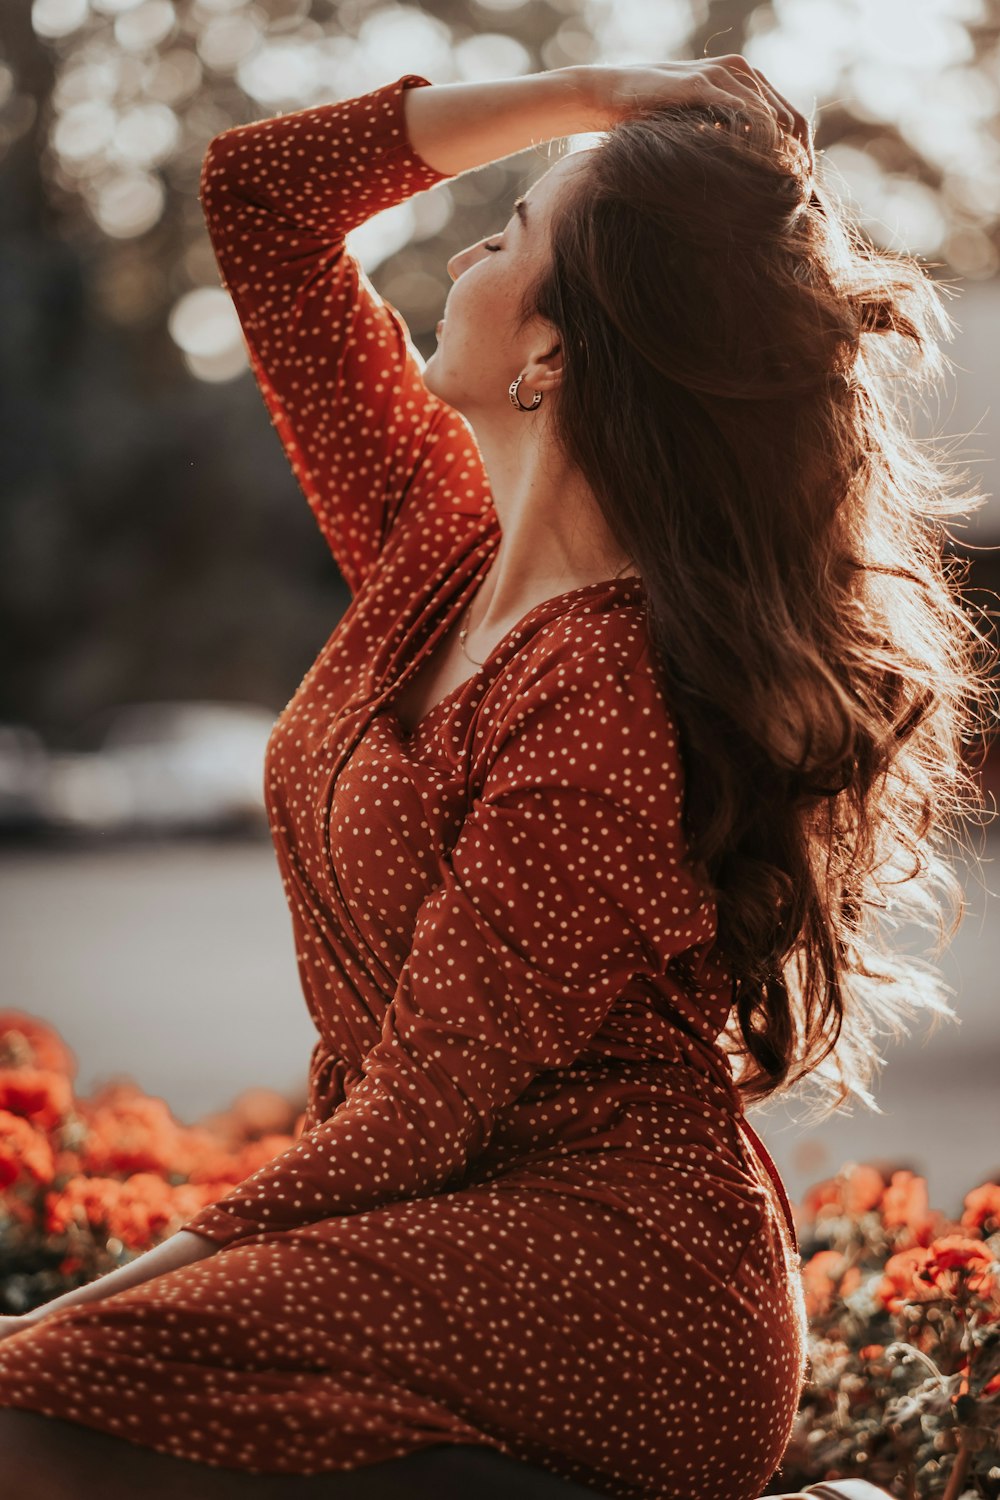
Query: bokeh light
x,y
141,85
146,26
490,55
52,19
125,204
204,325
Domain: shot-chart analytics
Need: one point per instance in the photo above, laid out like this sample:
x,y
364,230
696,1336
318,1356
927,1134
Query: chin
x,y
429,375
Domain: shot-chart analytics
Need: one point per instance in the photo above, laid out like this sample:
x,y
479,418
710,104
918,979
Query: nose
x,y
456,265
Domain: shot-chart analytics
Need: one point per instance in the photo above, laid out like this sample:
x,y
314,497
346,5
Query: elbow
x,y
217,164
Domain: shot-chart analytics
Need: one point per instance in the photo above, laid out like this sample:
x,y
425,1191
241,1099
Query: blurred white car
x,y
168,767
24,768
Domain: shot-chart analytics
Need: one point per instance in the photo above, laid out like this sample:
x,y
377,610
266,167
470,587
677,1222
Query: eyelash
x,y
487,246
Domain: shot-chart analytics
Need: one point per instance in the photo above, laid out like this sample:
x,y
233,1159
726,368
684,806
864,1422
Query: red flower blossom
x,y
137,1212
129,1132
83,1203
826,1277
901,1280
202,1157
257,1154
956,1253
26,1042
39,1094
923,1273
982,1208
23,1151
855,1190
905,1207
253,1113
989,1389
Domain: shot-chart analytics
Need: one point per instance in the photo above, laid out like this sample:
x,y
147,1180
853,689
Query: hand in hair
x,y
619,90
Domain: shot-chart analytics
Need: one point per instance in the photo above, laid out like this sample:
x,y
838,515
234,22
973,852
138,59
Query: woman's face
x,y
480,350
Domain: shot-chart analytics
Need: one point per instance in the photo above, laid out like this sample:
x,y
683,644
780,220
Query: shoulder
x,y
592,642
588,673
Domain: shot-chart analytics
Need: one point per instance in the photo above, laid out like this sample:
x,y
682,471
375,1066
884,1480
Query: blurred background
x,y
163,586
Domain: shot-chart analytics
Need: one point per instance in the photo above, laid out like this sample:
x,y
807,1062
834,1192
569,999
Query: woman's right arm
x,y
181,1249
457,126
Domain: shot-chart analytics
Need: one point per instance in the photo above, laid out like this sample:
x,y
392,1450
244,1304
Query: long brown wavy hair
x,y
736,363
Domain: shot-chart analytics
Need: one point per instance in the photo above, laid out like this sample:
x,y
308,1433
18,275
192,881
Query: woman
x,y
602,550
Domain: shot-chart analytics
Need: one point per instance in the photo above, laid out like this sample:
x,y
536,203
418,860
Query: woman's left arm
x,y
181,1249
568,876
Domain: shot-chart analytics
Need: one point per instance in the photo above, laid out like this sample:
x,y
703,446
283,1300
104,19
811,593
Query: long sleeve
x,y
567,878
336,366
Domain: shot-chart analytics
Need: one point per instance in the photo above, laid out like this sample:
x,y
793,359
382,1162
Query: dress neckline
x,y
553,606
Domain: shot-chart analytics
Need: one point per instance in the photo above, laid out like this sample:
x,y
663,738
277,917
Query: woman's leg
x,y
46,1458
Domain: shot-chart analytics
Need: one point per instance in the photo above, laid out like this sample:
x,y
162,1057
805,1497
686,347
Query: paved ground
x,y
174,964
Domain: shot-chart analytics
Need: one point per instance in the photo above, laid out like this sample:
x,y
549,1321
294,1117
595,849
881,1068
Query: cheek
x,y
481,313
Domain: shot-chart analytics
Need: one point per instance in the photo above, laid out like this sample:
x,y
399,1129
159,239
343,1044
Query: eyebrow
x,y
520,208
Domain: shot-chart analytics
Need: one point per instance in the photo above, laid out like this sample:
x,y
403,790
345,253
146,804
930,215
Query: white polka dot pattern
x,y
498,988
335,363
522,1211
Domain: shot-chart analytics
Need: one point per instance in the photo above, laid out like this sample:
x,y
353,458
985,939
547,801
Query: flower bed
x,y
903,1301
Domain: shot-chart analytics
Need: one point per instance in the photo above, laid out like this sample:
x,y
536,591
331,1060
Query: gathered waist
x,y
720,1073
597,1109
765,1157
659,1112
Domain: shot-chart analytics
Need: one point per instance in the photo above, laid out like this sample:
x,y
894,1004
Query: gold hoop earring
x,y
516,400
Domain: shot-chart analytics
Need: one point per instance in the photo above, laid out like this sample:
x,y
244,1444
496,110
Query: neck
x,y
554,536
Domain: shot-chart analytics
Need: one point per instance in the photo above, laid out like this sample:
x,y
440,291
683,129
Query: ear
x,y
544,371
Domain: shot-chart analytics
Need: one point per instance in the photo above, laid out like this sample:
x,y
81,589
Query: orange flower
x,y
901,1279
872,1351
28,1043
23,1150
189,1197
855,1190
850,1281
142,1211
905,1204
257,1154
39,1094
989,1389
820,1275
982,1208
201,1156
66,1163
83,1203
135,1212
253,1113
128,1132
819,1196
954,1254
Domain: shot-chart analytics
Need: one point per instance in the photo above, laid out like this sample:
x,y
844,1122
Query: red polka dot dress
x,y
524,1210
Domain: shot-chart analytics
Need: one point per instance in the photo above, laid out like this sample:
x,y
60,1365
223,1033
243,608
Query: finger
x,y
800,126
792,119
789,118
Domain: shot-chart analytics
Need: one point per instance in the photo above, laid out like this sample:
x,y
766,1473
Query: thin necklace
x,y
465,628
464,632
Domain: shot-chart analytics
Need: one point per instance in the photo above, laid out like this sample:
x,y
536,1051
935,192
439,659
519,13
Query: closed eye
x,y
487,246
